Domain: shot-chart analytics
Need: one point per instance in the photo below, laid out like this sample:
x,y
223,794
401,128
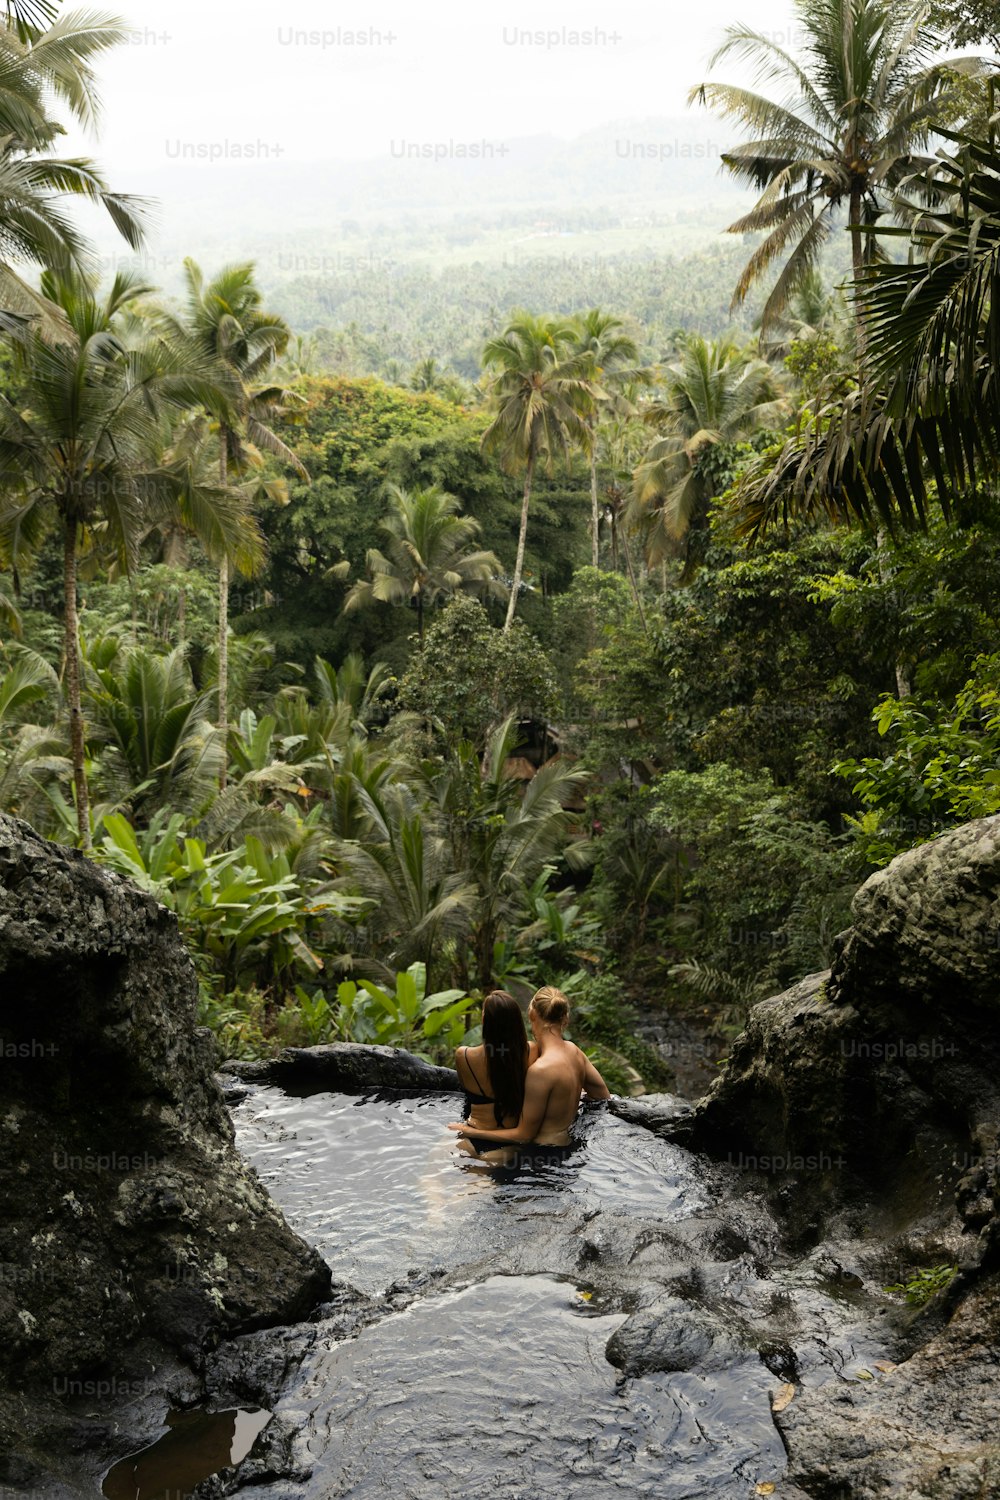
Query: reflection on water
x,y
197,1445
502,1390
378,1186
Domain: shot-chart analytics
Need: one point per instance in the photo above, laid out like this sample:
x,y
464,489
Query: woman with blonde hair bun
x,y
553,1084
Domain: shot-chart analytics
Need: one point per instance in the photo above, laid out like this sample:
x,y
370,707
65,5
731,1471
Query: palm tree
x,y
539,393
220,518
813,310
226,324
929,406
157,725
32,755
38,65
427,375
614,355
401,864
10,615
427,555
79,451
350,686
500,837
31,13
855,114
715,393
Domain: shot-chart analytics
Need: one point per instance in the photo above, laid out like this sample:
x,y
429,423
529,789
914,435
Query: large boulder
x,y
128,1218
670,1334
884,1072
924,1429
870,1095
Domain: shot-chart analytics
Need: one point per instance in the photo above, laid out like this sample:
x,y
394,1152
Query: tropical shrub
x,y
941,768
245,910
429,1025
768,885
470,676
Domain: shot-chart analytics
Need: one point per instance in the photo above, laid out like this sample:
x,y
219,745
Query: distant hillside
x,y
425,248
422,194
407,312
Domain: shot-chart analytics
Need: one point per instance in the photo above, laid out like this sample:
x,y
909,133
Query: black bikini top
x,y
479,1098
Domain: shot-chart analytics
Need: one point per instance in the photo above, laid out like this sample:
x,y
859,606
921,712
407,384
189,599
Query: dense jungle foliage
x,y
596,654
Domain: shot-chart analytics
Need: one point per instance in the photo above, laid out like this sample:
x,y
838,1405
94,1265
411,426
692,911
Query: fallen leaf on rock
x,y
781,1398
863,1375
885,1365
765,1489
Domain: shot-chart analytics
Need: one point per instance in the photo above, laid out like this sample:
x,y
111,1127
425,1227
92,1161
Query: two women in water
x,y
519,1093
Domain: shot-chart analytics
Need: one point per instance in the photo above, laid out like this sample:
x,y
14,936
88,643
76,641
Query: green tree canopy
x,y
429,555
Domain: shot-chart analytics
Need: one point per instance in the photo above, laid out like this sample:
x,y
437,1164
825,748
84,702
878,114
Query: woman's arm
x,y
593,1084
536,1100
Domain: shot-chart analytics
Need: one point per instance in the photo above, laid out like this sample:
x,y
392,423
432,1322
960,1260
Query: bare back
x,y
474,1076
552,1092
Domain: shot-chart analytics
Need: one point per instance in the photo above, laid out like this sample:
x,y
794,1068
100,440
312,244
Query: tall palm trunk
x,y
903,684
595,511
515,587
71,650
615,496
223,683
858,267
635,587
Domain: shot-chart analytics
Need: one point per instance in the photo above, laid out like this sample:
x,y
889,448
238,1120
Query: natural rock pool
x,y
466,1351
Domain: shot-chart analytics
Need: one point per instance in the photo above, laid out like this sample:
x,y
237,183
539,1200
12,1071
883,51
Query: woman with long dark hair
x,y
550,1099
492,1076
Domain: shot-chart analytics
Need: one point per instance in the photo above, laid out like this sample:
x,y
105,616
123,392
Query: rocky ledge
x,y
346,1068
132,1235
866,1101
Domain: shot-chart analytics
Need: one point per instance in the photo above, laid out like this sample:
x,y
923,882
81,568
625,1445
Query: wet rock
x,y
232,1090
659,1113
886,1069
347,1068
251,1370
873,1092
128,1216
273,1458
672,1334
924,1430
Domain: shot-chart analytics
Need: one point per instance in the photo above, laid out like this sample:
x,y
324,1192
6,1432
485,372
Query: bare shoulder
x,y
541,1062
544,1064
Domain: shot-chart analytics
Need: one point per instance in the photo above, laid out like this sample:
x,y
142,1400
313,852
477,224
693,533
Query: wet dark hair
x,y
506,1045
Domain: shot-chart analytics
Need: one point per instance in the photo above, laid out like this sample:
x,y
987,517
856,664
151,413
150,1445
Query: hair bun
x,y
551,1004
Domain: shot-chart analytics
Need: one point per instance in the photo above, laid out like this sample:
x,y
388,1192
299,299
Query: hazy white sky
x,y
298,80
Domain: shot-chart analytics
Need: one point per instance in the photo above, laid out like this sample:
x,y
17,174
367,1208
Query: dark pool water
x,y
493,1380
379,1187
503,1389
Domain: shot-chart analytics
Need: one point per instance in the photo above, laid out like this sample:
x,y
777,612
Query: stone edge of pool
x,y
358,1068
